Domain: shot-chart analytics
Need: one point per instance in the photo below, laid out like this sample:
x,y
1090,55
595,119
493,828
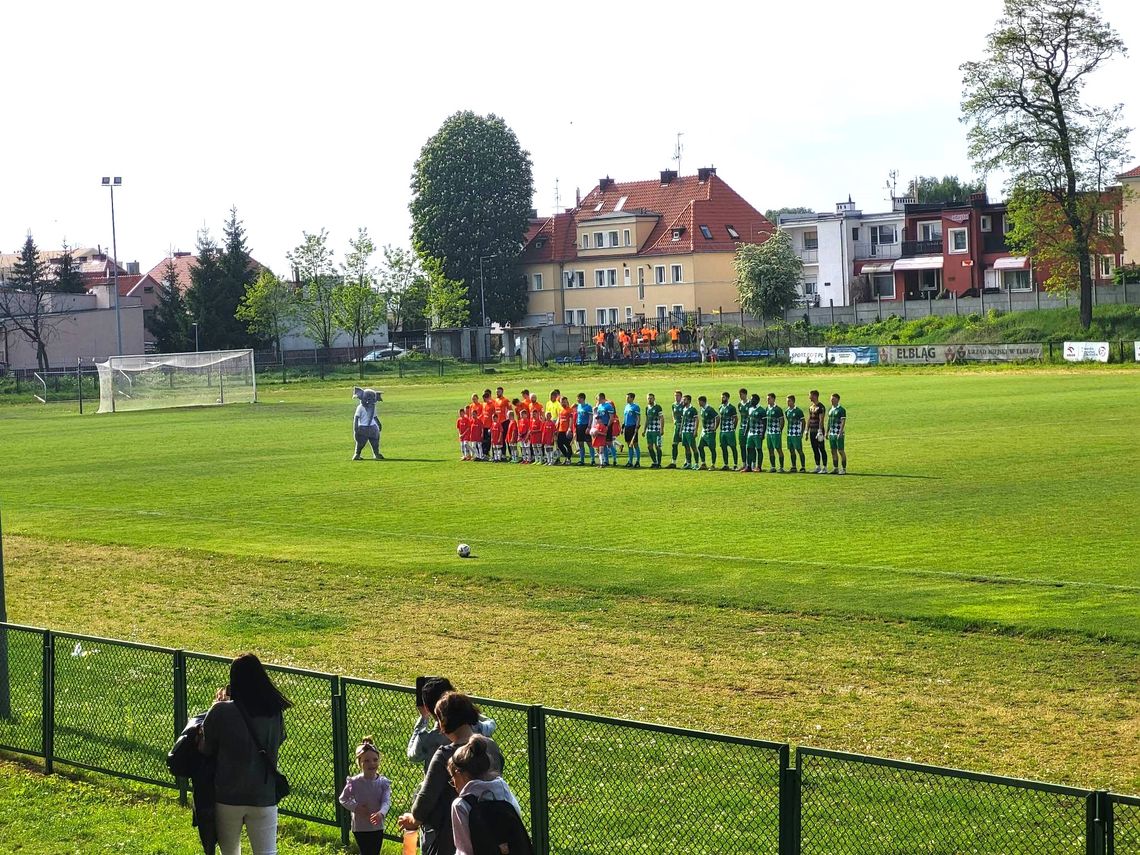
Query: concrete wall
x,y
87,334
1130,220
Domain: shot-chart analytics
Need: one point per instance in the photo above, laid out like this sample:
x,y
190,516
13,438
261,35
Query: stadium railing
x,y
587,784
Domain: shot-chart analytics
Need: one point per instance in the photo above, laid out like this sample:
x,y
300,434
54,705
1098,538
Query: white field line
x,y
963,575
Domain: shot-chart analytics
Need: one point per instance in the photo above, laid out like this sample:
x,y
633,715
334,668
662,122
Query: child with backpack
x,y
485,818
368,796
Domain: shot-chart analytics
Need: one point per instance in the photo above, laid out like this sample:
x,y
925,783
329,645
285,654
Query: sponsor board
x,y
993,352
853,355
913,354
1086,351
1137,343
807,355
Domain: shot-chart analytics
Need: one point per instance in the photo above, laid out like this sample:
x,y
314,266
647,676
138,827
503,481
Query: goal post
x,y
151,381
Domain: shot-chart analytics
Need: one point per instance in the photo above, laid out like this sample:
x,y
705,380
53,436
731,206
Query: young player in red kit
x,y
536,436
549,428
463,425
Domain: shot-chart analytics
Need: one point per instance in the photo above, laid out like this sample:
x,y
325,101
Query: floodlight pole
x,y
111,184
5,689
195,325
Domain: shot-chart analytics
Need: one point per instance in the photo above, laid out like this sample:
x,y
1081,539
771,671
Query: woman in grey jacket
x,y
248,713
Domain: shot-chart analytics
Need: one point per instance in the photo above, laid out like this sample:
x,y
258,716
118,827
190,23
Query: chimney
x,y
978,198
534,213
605,184
181,254
577,197
704,172
667,176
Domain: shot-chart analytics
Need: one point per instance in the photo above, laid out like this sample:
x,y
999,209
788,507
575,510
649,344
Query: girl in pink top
x,y
368,795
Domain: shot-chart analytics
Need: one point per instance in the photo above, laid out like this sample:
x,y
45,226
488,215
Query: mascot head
x,y
368,397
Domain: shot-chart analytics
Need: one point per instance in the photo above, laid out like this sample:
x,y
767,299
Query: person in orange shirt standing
x,y
463,425
488,418
599,345
565,430
524,436
674,337
496,438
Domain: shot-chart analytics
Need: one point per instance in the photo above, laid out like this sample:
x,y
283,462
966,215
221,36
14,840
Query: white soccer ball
x,y
463,550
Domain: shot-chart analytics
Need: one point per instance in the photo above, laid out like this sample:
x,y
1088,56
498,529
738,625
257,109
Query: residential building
x,y
1130,215
638,250
834,248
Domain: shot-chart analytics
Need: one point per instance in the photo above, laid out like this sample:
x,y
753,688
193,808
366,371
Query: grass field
x,y
968,595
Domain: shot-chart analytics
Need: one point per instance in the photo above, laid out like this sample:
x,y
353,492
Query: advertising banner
x,y
853,355
993,352
1137,350
807,355
913,354
1086,351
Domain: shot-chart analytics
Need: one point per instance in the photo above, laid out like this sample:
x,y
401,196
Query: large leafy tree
x,y
404,285
25,304
471,199
315,274
170,324
67,278
268,309
1025,104
949,188
447,303
767,275
358,307
773,214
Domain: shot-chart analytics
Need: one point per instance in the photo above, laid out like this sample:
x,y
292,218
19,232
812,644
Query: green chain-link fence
x,y
588,785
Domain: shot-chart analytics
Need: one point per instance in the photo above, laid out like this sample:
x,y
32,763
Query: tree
x,y
170,323
313,269
929,189
405,288
1027,115
471,195
268,308
204,296
358,308
448,304
67,278
25,305
238,273
773,214
767,275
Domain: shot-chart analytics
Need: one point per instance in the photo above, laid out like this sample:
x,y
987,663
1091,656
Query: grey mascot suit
x,y
365,423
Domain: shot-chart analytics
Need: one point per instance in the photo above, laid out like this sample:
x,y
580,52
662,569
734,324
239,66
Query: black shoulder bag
x,y
280,782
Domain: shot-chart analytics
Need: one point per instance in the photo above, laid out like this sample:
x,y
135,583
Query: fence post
x,y
340,754
180,712
47,719
789,815
539,800
1098,823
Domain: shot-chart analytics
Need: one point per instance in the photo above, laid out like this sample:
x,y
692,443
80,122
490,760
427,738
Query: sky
x,y
310,116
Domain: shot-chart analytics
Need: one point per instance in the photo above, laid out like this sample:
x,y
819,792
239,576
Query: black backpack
x,y
184,759
496,828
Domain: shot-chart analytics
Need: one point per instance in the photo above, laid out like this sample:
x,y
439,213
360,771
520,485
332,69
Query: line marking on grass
x,y
961,575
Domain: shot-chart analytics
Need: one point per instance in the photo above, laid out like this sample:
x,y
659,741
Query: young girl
x,y
368,795
470,768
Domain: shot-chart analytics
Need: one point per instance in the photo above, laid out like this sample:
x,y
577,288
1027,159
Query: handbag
x,y
280,782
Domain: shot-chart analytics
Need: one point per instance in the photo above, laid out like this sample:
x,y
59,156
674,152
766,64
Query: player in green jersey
x,y
742,432
688,422
654,423
774,431
836,432
794,417
709,420
728,417
678,406
754,457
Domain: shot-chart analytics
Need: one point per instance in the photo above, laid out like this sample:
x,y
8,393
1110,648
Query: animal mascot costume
x,y
366,424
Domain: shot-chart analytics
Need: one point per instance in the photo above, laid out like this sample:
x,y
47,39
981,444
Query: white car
x,y
388,352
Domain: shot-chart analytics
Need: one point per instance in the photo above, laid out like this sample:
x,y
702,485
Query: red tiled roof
x,y
1131,173
183,264
686,203
127,283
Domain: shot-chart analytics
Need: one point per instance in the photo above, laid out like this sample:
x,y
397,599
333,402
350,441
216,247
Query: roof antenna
x,y
557,199
892,183
677,152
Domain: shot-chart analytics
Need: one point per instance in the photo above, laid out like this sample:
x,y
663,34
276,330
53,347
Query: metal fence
x,y
588,785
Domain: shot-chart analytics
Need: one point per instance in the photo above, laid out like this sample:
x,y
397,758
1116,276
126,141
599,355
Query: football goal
x,y
176,380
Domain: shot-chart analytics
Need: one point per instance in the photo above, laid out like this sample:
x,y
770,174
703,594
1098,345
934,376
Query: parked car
x,y
390,351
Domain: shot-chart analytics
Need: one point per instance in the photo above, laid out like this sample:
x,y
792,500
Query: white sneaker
x,y
842,471
815,471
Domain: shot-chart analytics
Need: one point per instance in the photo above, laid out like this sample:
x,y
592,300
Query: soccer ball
x,y
463,550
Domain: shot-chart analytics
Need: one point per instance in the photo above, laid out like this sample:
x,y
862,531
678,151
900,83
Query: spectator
x,y
243,731
469,767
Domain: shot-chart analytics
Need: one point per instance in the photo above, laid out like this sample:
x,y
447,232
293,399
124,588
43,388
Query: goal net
x,y
176,380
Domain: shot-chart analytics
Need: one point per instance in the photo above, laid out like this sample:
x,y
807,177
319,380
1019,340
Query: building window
x,y
1016,280
578,279
854,233
662,312
930,230
706,232
811,240
883,235
659,274
1106,223
809,289
611,278
677,277
987,223
930,281
538,282
568,317
958,241
613,315
679,312
628,238
601,317
586,240
599,240
1106,266
613,239
1007,224
626,276
677,234
641,292
641,277
733,233
580,317
883,285
599,279
147,289
628,314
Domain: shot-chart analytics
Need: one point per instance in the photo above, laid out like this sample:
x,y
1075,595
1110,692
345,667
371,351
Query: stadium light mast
x,y
195,325
111,184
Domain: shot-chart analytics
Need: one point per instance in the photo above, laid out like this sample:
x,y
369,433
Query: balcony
x,y
866,250
911,248
809,256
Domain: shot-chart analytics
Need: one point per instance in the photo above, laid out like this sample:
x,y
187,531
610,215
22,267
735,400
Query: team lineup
x,y
497,429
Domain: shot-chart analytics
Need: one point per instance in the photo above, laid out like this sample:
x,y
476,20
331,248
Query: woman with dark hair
x,y
243,731
458,718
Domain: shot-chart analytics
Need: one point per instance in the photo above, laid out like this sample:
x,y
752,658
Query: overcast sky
x,y
311,115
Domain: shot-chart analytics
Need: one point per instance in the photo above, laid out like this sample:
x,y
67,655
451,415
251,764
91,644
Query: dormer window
x,y
706,232
677,234
733,233
540,243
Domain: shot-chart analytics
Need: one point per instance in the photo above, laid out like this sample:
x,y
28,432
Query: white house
x,y
834,247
